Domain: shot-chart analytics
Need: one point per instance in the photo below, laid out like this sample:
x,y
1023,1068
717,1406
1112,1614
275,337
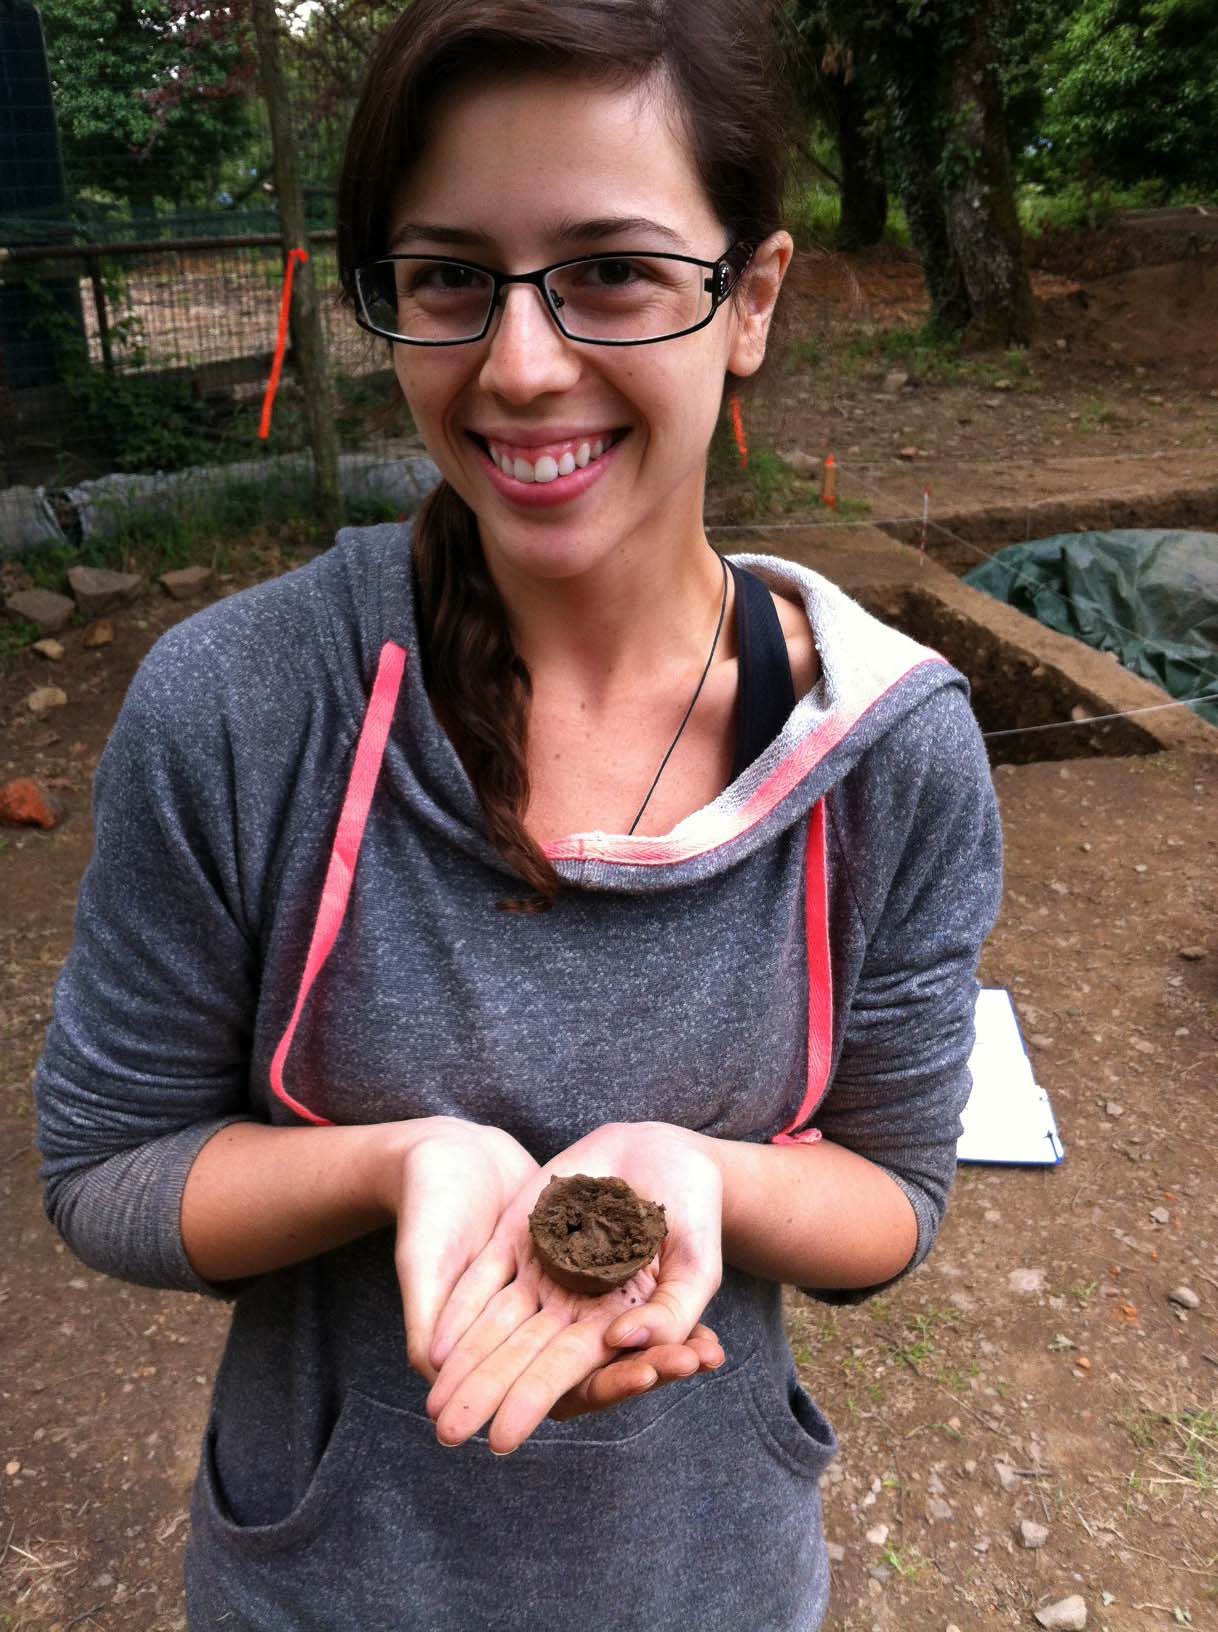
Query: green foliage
x,y
1133,94
139,420
148,112
229,526
812,215
15,635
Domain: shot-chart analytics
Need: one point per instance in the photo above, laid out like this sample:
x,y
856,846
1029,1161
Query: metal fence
x,y
136,337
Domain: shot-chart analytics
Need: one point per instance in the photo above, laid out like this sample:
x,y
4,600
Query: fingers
x,y
439,1237
520,1382
635,1374
668,1316
492,1270
494,1334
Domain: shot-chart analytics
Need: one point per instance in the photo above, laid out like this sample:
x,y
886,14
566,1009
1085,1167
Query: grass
x,y
1097,416
15,635
813,213
766,488
1086,206
907,1562
241,527
932,357
1180,1444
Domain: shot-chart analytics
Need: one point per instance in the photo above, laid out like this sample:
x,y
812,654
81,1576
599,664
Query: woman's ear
x,y
754,299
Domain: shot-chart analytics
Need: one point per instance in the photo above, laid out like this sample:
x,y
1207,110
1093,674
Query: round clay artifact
x,y
592,1235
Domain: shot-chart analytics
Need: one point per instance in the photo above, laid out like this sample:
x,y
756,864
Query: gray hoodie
x,y
795,959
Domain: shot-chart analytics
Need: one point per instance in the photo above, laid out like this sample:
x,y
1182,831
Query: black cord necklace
x,y
709,660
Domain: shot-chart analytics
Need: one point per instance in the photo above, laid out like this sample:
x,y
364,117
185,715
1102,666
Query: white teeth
x,y
546,468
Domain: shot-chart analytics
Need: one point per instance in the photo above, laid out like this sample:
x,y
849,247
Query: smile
x,y
548,461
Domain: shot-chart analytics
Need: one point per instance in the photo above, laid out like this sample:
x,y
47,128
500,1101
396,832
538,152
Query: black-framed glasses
x,y
624,298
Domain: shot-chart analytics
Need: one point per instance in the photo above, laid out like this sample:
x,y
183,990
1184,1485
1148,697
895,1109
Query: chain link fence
x,y
142,269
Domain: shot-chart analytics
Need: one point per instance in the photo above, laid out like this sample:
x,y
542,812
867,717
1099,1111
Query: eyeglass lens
x,y
635,297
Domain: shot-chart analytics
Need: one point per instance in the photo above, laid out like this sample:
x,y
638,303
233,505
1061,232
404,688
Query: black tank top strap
x,y
766,691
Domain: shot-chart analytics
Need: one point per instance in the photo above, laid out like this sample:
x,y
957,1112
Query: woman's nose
x,y
528,356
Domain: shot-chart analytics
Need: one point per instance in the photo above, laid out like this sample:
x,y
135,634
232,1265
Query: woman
x,y
737,962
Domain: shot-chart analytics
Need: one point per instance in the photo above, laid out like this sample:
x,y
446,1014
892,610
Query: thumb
x,y
688,1280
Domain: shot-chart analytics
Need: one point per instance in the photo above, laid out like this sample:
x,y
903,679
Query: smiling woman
x,y
300,1060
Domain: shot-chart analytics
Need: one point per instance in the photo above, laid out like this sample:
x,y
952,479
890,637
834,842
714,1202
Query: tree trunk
x,y
864,192
308,340
978,195
915,146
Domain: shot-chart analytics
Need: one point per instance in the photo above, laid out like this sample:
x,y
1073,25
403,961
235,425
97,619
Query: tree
x,y
936,70
833,92
152,96
1132,94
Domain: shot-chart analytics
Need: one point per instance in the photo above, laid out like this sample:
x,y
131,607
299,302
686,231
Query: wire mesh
x,y
141,260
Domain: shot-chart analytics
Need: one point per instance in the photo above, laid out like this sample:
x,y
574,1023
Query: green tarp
x,y
1149,596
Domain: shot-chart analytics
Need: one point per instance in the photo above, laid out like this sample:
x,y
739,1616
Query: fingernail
x,y
494,1452
634,1338
449,1444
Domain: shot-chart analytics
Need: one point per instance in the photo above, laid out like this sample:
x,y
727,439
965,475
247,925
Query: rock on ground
x,y
99,633
1185,1297
41,607
184,583
1033,1535
1026,1280
46,698
1066,1615
24,804
97,590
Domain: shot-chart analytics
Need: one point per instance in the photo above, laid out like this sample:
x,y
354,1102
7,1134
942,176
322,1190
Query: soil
x,y
591,1235
1036,1367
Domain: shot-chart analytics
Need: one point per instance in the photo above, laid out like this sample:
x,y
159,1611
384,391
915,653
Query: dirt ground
x,y
1036,1368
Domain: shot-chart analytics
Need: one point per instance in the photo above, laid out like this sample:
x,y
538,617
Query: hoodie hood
x,y
871,676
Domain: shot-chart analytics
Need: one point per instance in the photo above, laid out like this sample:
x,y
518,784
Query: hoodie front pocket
x,y
334,1472
691,1519
791,1424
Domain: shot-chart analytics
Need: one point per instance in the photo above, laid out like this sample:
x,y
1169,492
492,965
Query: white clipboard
x,y
1008,1118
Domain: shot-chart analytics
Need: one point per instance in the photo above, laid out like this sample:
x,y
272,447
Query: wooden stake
x,y
308,341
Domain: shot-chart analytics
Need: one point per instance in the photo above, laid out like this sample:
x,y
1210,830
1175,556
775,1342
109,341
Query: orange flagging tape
x,y
738,428
285,306
828,486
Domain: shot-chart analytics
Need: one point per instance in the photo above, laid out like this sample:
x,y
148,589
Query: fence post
x,y
103,320
310,345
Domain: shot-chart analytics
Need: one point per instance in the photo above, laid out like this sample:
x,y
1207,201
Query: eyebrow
x,y
566,232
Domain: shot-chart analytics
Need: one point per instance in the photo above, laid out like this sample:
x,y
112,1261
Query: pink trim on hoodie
x,y
712,828
348,837
820,982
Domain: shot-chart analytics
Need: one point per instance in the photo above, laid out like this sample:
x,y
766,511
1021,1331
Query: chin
x,y
547,554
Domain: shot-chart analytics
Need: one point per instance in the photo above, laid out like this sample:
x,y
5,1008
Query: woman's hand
x,y
512,1344
447,1192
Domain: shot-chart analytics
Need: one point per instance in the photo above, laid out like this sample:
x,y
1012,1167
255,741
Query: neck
x,y
637,615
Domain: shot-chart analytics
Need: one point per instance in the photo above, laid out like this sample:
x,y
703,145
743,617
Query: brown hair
x,y
719,59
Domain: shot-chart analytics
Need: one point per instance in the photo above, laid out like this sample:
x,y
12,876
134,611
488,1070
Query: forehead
x,y
517,159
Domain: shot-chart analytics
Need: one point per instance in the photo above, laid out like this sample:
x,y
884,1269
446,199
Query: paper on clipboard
x,y
1008,1118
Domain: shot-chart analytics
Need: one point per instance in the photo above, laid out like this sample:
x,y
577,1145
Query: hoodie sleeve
x,y
916,825
146,1055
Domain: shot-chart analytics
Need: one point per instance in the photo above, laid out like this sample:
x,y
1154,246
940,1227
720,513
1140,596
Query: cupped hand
x,y
512,1345
454,1181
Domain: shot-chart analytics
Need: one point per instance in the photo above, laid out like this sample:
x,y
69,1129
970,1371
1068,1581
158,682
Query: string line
x,y
1109,625
1014,731
1095,719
